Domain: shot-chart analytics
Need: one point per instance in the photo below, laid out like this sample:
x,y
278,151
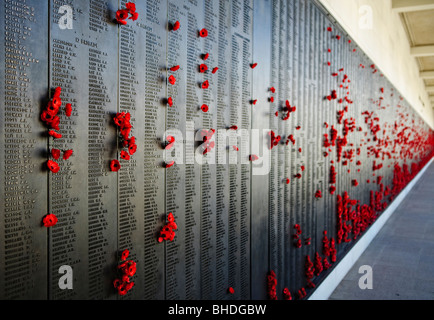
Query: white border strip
x,y
325,289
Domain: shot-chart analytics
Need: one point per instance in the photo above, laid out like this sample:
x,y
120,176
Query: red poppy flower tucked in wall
x,y
203,33
53,166
67,154
126,269
115,165
176,26
50,220
168,231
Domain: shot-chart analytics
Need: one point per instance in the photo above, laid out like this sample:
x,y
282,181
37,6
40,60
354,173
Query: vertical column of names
x,y
154,124
208,174
222,169
177,285
66,201
274,126
23,241
240,115
132,63
102,94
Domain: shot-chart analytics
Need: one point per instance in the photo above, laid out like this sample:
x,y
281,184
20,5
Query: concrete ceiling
x,y
418,19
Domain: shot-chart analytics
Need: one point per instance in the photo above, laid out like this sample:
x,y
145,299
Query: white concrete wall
x,y
387,46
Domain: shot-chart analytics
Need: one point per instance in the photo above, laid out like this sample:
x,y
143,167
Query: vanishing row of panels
x,y
234,218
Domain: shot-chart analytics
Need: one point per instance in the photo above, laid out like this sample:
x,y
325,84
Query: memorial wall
x,y
236,148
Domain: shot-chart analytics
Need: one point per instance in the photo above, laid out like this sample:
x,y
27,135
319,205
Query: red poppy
x,y
288,181
55,123
122,289
54,134
57,91
334,94
176,26
172,80
67,154
271,99
46,117
125,155
128,268
203,68
121,15
55,153
203,33
170,101
205,84
175,68
68,109
329,29
214,70
254,65
234,128
253,157
318,194
131,7
338,37
231,290
52,109
53,166
132,148
254,102
171,141
170,164
125,254
134,16
204,108
235,148
50,220
273,90
206,56
298,128
329,50
115,165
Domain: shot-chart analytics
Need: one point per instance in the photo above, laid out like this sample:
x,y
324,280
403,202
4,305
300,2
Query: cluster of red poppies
x,y
309,272
206,136
286,294
168,231
297,235
274,140
50,116
126,269
122,121
129,13
271,285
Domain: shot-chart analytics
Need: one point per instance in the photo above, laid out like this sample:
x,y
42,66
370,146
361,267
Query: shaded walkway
x,y
402,254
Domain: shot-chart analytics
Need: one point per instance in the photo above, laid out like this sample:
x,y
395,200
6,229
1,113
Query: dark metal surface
x,y
235,221
23,177
84,194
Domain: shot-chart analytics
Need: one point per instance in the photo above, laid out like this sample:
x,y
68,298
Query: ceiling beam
x,y
427,74
412,5
422,51
430,89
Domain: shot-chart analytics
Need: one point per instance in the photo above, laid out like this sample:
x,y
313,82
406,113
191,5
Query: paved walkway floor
x,y
402,253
